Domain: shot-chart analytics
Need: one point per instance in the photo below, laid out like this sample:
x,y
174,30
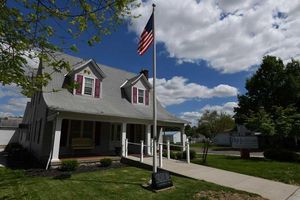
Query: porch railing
x,y
143,146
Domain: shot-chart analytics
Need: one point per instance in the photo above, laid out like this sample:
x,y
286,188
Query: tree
x,y
212,123
271,104
34,29
261,122
264,89
190,131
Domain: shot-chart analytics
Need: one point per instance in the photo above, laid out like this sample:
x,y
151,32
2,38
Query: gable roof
x,y
111,104
135,79
84,65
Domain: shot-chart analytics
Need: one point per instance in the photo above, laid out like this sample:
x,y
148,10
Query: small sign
x,y
161,180
244,142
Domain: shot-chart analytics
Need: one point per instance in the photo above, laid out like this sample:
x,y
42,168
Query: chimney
x,y
145,72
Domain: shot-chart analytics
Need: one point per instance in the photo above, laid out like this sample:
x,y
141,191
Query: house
x,y
9,130
223,139
173,136
109,106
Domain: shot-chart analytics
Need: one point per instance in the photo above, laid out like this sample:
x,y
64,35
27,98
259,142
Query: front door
x,y
115,136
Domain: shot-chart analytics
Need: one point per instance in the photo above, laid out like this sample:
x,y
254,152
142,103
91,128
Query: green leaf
x,y
74,48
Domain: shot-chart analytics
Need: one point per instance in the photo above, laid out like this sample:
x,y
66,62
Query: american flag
x,y
147,37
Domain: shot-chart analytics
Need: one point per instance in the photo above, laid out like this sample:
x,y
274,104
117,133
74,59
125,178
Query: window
x,y
64,132
88,86
97,133
141,96
75,128
87,131
116,132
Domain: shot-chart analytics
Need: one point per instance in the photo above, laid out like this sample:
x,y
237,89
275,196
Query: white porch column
x,y
168,149
182,138
160,135
152,146
187,151
123,138
160,155
148,139
142,151
126,147
56,140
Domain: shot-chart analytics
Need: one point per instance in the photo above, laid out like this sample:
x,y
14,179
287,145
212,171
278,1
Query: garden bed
x,y
81,169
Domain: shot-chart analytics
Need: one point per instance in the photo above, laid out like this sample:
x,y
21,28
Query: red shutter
x,y
134,95
79,81
97,88
147,97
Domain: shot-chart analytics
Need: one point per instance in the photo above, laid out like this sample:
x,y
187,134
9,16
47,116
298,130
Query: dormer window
x,y
141,96
88,86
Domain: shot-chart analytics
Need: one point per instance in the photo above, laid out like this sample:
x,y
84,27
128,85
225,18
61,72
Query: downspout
x,y
52,142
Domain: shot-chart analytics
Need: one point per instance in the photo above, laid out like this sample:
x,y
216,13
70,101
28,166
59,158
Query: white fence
x,y
143,147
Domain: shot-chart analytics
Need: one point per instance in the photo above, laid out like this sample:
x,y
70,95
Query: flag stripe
x,y
146,46
146,37
141,43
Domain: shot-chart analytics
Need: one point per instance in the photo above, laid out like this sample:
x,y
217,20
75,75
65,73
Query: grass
x,y
273,170
119,183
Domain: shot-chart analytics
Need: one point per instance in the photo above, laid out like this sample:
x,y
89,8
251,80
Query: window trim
x,y
94,88
138,89
83,86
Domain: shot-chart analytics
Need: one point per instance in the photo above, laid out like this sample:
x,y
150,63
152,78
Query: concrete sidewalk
x,y
266,188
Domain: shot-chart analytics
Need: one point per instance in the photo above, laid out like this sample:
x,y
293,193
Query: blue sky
x,y
206,50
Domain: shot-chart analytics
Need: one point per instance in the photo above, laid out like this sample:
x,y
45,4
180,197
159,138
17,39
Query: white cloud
x,y
14,105
5,114
194,116
225,108
177,90
230,35
9,91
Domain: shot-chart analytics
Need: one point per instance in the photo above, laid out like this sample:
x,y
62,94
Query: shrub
x,y
281,155
105,162
165,154
179,155
69,165
172,155
192,154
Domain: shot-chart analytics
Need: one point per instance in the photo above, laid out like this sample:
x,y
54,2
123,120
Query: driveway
x,y
2,158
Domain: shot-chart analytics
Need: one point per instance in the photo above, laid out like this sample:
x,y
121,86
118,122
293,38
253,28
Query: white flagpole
x,y
154,99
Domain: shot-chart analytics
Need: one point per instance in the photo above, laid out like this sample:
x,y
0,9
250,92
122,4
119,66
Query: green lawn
x,y
279,171
118,183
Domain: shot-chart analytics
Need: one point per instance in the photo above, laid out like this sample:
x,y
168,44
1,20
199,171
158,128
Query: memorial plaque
x,y
161,180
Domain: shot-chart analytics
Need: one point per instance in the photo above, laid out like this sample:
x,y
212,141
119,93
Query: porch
x,y
94,139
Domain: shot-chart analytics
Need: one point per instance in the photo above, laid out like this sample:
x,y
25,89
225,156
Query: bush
x,y
172,155
69,165
192,154
281,155
165,154
179,156
105,162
